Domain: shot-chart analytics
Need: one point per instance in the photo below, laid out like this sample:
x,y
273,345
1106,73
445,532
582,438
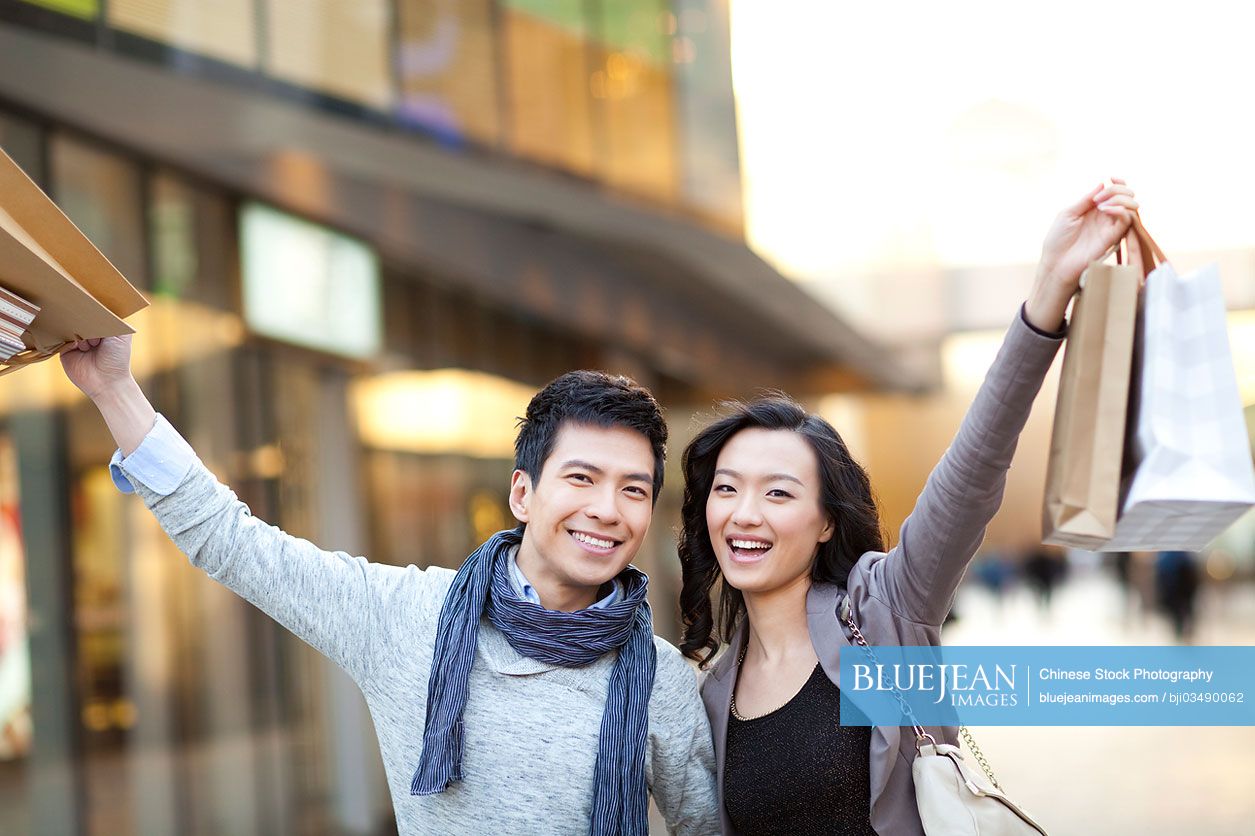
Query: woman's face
x,y
764,513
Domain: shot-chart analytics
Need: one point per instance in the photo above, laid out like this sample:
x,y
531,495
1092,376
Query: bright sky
x,y
905,134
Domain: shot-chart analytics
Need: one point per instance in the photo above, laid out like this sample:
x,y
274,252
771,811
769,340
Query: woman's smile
x,y
745,548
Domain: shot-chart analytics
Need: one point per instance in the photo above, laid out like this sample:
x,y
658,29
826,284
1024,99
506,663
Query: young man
x,y
524,694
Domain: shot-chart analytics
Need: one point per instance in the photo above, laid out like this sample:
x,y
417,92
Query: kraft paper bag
x,y
47,260
1086,445
1188,473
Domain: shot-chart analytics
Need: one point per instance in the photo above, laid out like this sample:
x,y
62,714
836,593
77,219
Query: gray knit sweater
x,y
531,728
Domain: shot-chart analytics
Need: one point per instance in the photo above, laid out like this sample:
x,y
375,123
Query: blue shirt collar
x,y
528,593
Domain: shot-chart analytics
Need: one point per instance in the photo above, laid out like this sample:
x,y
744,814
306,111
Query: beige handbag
x,y
952,798
955,800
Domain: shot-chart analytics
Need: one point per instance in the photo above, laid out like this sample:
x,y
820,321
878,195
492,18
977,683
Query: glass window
x,y
447,65
224,29
121,598
640,27
194,256
631,81
309,285
710,178
193,243
434,510
440,411
85,9
101,193
338,47
546,82
20,140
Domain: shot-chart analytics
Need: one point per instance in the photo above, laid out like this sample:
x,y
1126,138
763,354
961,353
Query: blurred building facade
x,y
369,230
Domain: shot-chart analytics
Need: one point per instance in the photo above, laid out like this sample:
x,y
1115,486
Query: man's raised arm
x,y
332,600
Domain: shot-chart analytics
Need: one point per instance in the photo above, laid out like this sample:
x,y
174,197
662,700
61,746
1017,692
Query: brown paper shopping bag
x,y
46,259
1087,443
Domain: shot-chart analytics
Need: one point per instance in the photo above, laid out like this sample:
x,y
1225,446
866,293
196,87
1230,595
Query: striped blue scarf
x,y
482,586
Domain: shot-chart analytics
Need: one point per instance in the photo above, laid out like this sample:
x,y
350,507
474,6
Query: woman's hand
x,y
1082,233
94,366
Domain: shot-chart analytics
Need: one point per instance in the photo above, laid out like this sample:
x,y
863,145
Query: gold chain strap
x,y
920,734
980,758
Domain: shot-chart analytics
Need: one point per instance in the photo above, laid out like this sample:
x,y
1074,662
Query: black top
x,y
797,770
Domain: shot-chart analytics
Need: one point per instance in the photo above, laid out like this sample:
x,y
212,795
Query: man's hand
x,y
102,370
95,366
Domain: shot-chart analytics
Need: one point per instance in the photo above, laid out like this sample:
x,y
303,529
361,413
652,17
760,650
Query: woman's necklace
x,y
740,660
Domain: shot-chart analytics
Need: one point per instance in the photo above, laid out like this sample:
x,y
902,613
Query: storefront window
x,y
631,81
213,686
547,70
103,610
101,193
225,29
337,47
710,167
20,140
85,9
447,66
123,594
309,285
434,510
193,243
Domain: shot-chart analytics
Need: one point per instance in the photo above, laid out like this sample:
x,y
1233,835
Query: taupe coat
x,y
901,597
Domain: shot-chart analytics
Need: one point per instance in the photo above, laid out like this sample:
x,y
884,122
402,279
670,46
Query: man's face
x,y
586,514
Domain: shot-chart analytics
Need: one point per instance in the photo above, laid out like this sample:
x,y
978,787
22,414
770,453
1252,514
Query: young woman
x,y
780,517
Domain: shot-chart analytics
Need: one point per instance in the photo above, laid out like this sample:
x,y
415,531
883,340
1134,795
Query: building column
x,y
57,786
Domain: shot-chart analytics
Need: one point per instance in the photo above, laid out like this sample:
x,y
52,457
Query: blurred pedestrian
x,y
780,521
1044,568
996,574
1126,570
1176,590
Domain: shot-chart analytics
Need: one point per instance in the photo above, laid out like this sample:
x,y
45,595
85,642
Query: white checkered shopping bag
x,y
1187,471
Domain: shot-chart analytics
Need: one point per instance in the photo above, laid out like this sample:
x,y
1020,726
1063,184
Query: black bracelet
x,y
1057,335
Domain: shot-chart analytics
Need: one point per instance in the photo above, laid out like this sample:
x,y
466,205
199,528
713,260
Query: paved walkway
x,y
1145,781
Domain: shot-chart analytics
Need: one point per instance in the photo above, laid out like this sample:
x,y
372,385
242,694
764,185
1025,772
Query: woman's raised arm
x,y
964,491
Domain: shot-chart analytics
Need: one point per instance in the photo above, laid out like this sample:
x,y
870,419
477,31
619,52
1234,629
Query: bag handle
x,y
847,615
1152,255
30,357
1148,243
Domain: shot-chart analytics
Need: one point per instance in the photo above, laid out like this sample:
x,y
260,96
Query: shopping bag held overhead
x,y
1150,449
1082,494
45,259
1187,473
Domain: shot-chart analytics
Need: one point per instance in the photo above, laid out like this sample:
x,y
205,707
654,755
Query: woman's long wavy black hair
x,y
846,496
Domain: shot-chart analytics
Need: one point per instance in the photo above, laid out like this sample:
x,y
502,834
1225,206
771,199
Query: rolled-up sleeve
x,y
330,599
161,461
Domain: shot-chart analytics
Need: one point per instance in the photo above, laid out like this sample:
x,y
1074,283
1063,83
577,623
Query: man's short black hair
x,y
596,399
